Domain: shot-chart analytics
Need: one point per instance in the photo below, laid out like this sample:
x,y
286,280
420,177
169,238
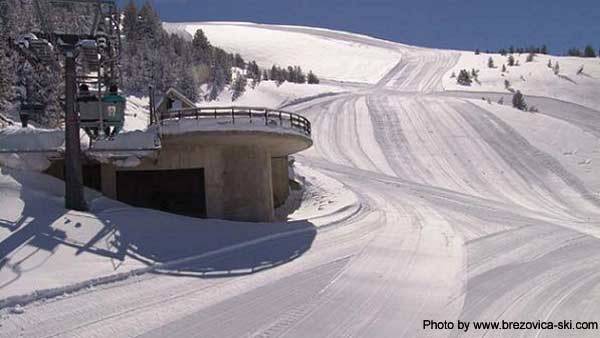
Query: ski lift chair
x,y
114,111
89,53
111,109
90,110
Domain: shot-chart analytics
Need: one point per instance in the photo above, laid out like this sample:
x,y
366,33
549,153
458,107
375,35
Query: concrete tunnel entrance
x,y
178,191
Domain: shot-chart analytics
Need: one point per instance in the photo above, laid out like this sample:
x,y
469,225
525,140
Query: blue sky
x,y
461,24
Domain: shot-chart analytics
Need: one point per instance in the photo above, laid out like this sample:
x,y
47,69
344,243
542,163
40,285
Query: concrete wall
x,y
280,179
238,179
248,190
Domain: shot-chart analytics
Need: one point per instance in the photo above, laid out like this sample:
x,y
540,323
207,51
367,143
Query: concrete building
x,y
228,163
230,174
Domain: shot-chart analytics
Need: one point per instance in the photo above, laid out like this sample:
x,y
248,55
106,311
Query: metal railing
x,y
270,117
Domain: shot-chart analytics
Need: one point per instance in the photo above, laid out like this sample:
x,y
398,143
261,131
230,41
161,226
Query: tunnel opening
x,y
180,191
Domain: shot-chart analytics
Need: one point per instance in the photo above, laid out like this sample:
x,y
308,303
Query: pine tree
x,y
549,63
530,57
217,82
491,63
6,79
201,48
253,72
238,61
312,78
188,85
518,101
511,60
556,68
464,78
503,68
238,87
130,17
149,26
544,49
589,52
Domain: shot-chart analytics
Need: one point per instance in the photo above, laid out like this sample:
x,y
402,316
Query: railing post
x,y
266,117
215,113
233,115
280,119
197,114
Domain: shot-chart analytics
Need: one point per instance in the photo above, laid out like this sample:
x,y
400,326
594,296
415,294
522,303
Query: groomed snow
x,y
332,59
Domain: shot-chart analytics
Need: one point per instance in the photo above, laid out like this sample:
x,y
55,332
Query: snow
x,y
533,78
332,59
268,94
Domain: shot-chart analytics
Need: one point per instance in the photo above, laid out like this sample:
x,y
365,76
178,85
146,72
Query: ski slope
x,y
427,203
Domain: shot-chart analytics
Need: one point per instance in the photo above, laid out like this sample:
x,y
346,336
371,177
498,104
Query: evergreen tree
x,y
511,60
188,85
312,78
518,101
464,78
6,78
556,68
202,50
238,87
549,63
217,82
130,17
238,61
530,57
253,72
491,63
149,26
589,52
503,68
544,49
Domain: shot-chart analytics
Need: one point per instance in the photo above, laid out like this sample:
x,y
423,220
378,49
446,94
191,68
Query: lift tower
x,y
84,31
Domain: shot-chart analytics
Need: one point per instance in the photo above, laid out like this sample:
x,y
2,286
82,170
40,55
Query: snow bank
x,y
41,143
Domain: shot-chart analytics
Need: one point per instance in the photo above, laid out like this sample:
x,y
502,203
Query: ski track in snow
x,y
462,218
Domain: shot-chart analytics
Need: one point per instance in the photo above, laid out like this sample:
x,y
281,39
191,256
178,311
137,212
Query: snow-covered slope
x,y
268,94
533,78
329,57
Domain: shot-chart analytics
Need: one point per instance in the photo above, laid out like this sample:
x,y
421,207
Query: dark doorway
x,y
176,191
91,173
92,177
